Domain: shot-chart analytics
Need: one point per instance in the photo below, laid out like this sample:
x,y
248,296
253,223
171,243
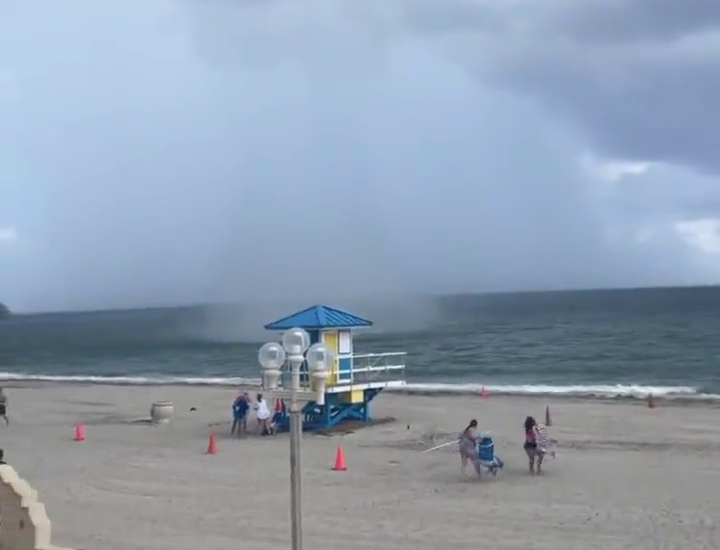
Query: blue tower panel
x,y
344,370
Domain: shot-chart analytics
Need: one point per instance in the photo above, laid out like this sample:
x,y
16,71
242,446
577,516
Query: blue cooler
x,y
486,449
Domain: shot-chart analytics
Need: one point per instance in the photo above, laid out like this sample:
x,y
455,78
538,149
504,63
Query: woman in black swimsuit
x,y
530,445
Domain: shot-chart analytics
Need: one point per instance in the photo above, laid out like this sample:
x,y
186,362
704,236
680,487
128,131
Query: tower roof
x,y
319,317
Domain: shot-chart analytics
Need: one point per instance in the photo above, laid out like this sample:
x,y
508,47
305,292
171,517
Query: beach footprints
x,y
406,437
413,439
433,438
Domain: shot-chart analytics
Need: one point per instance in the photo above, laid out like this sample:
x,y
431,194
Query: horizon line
x,y
436,295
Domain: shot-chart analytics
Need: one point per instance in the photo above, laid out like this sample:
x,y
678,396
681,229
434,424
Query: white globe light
x,y
319,357
295,341
271,356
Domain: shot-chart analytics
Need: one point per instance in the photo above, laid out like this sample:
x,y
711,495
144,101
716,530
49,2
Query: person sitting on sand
x,y
533,449
241,406
277,416
263,415
468,447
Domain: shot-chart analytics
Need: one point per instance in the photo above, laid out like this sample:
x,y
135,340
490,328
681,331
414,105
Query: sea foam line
x,y
130,380
579,390
599,390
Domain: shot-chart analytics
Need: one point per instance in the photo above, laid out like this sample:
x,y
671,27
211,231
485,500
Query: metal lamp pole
x,y
272,357
295,434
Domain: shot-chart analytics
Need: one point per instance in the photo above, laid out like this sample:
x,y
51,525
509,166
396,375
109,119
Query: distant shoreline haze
x,y
627,342
291,305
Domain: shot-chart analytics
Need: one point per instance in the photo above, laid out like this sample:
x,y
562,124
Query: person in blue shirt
x,y
240,408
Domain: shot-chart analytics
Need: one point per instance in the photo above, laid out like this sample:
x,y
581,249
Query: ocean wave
x,y
578,390
130,380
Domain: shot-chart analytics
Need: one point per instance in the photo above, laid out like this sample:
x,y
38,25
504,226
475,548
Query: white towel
x,y
543,443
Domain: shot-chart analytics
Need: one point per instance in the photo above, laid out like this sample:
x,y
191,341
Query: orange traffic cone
x,y
651,401
79,432
340,465
212,445
484,393
548,421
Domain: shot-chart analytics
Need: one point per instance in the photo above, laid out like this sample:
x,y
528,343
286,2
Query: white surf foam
x,y
599,390
131,380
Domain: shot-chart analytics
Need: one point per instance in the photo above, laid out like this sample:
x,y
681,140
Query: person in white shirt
x,y
263,415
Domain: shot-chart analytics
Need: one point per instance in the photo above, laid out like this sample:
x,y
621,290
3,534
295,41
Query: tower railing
x,y
368,368
371,368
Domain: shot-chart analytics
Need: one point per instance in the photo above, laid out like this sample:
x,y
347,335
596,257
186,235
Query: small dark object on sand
x,y
192,409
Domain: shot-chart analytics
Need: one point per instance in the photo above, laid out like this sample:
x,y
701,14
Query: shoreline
x,y
709,400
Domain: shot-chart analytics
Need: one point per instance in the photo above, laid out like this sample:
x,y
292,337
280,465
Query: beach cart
x,y
486,455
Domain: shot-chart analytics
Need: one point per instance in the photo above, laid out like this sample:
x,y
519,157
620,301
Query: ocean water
x,y
614,343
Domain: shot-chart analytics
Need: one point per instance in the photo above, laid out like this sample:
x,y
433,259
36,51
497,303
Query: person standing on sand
x,y
2,457
4,407
532,449
468,448
263,415
241,406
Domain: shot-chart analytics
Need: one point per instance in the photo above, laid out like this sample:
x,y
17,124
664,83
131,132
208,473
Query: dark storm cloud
x,y
172,152
640,77
633,20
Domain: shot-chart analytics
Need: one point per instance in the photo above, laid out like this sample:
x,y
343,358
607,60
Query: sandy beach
x,y
626,476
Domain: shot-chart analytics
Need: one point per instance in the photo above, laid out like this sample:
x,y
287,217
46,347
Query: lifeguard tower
x,y
354,380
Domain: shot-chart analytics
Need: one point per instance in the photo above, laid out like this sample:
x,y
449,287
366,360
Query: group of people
x,y
267,421
536,446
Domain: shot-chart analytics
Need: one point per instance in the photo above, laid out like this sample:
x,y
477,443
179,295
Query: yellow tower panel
x,y
330,339
353,396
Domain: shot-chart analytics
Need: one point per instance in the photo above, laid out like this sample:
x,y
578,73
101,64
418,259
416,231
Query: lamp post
x,y
294,351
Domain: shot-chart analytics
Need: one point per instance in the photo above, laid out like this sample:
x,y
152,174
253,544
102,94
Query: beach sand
x,y
626,477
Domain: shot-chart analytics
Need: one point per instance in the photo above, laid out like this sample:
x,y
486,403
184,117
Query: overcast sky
x,y
162,152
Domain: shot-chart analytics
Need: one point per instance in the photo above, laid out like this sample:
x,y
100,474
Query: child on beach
x,y
468,448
